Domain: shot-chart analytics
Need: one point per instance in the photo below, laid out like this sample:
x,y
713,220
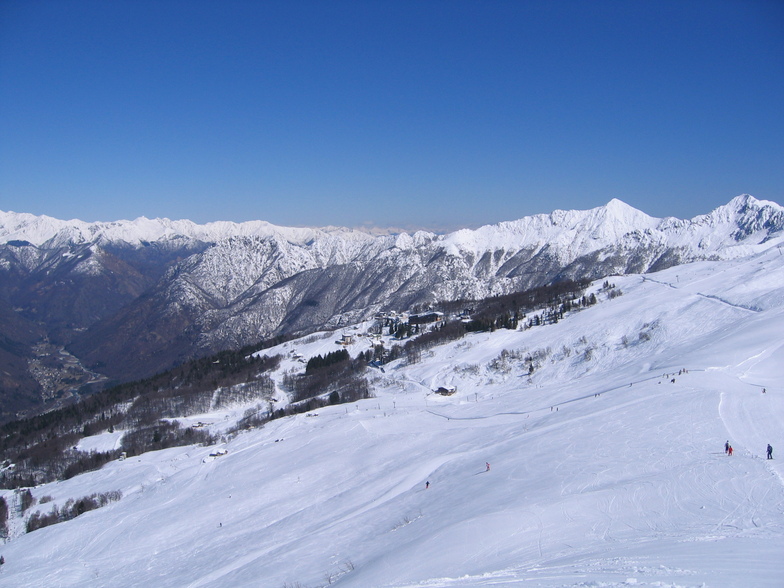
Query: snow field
x,y
603,471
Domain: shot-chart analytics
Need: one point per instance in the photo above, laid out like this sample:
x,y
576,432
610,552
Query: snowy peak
x,y
567,234
609,223
743,210
620,212
15,226
579,231
750,216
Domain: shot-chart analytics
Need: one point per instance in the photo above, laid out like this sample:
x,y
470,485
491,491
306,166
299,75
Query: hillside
x,y
114,302
607,463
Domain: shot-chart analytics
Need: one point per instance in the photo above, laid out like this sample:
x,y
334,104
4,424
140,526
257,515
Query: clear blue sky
x,y
439,114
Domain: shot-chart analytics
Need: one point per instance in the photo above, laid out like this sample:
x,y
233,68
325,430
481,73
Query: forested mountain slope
x,y
131,298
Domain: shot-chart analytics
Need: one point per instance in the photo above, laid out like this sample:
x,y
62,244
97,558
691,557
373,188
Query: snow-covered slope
x,y
607,464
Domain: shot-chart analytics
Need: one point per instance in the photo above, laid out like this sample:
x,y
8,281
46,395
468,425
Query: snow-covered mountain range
x,y
605,465
129,298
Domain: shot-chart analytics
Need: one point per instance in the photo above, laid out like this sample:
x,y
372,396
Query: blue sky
x,y
437,114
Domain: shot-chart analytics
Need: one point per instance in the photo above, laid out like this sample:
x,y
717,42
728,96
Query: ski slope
x,y
607,463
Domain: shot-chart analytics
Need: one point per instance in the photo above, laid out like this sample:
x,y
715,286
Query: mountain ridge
x,y
580,230
41,230
128,305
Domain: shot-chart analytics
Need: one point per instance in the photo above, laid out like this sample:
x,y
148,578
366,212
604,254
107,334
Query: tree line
x,y
42,448
71,509
509,311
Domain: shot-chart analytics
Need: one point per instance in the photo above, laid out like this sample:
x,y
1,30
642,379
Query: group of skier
x,y
728,449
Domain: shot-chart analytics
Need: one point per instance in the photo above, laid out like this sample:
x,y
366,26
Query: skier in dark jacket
x,y
727,447
770,451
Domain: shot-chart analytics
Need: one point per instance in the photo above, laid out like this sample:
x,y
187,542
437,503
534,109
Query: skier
x,y
729,451
770,451
727,447
487,466
427,484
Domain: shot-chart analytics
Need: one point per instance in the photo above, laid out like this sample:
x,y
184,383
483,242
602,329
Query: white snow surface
x,y
607,465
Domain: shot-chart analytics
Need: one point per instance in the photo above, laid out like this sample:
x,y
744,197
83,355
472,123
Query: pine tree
x,y
3,517
26,499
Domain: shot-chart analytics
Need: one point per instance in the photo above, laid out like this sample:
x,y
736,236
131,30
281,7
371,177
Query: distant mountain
x,y
130,298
